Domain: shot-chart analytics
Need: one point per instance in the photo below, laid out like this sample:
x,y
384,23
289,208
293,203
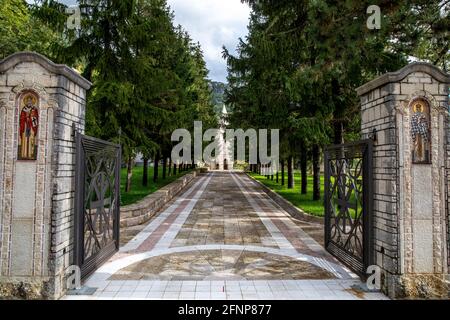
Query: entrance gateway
x,y
405,231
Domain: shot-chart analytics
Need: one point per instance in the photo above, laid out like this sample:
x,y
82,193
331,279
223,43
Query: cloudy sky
x,y
213,23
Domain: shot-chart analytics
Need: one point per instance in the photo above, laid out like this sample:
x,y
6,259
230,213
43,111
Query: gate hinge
x,y
373,135
74,130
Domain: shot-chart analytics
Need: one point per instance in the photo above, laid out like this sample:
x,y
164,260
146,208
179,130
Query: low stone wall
x,y
143,210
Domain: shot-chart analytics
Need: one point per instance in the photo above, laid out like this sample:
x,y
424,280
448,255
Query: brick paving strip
x,y
266,216
299,239
170,227
225,225
150,235
288,234
223,216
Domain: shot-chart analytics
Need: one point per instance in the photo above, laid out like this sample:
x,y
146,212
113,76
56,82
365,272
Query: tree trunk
x,y
277,174
129,174
339,139
282,172
316,172
174,169
170,166
164,173
290,173
338,132
303,169
155,167
145,173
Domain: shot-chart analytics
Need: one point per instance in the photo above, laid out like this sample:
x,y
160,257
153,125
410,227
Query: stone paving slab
x,y
230,290
221,265
224,238
223,216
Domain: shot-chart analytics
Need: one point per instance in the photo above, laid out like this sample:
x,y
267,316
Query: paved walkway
x,y
224,238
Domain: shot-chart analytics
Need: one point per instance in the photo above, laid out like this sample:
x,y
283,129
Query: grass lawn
x,y
302,201
138,191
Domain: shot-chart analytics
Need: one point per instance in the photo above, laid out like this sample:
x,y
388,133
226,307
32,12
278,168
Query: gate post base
x,y
416,286
29,289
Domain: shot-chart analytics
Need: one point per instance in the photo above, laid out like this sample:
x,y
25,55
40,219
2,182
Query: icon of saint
x,y
420,131
28,128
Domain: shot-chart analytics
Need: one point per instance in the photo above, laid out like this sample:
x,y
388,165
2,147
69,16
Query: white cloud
x,y
213,23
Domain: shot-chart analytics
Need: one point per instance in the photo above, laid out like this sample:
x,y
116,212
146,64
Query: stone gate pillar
x,y
40,103
406,112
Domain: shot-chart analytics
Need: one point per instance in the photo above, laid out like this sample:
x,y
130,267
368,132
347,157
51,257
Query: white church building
x,y
224,157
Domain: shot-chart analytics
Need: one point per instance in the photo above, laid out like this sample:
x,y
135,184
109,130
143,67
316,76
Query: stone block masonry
x,y
36,195
411,206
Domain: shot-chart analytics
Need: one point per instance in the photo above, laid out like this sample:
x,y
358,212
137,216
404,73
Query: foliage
x,y
138,191
21,31
148,76
298,68
301,201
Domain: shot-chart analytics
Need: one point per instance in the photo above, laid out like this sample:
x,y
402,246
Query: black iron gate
x,y
97,202
348,204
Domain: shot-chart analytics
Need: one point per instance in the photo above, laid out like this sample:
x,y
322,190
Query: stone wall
x,y
410,209
142,211
36,196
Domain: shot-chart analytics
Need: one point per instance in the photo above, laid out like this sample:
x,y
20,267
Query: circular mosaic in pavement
x,y
221,265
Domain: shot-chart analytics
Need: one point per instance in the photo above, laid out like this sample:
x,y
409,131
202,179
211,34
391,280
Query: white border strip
x,y
277,235
134,243
175,227
285,217
104,272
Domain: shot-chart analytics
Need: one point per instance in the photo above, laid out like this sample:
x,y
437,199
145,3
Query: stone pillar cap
x,y
60,69
399,75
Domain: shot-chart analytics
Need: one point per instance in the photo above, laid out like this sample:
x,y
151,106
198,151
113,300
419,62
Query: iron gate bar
x,y
96,186
343,155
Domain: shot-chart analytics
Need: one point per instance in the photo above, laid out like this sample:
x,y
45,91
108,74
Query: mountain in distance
x,y
218,95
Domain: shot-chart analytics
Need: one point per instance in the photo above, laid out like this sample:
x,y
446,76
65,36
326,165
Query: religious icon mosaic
x,y
420,131
28,126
